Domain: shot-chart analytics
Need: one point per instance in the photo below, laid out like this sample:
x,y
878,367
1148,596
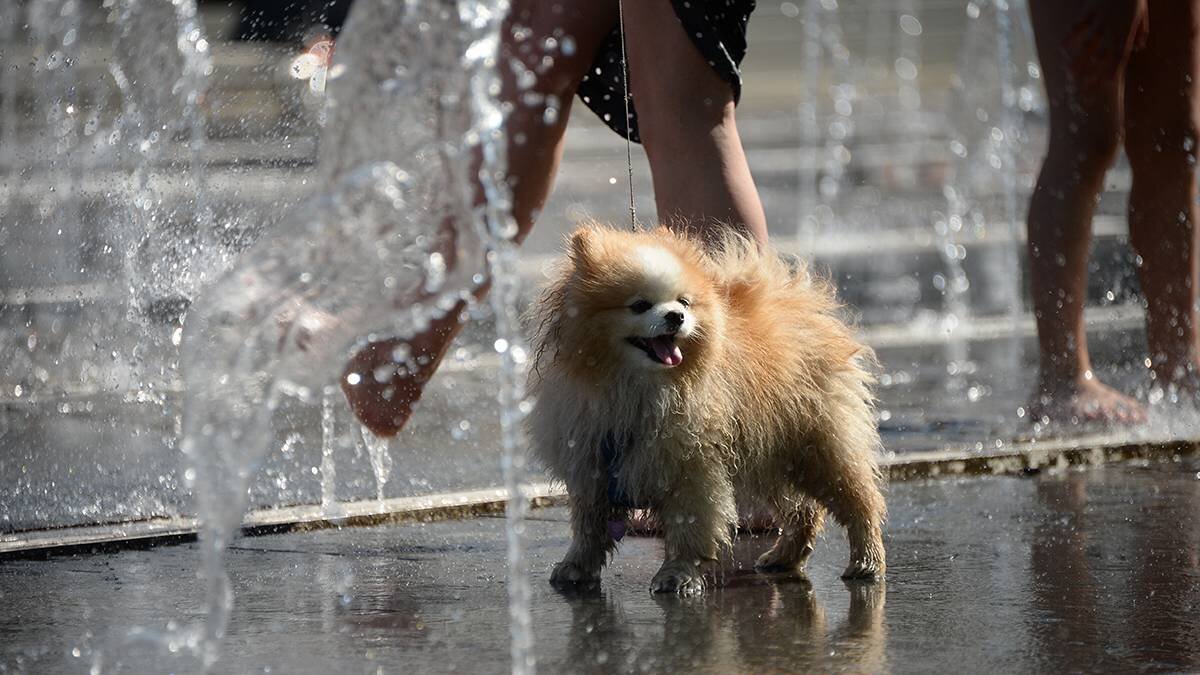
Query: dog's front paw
x,y
678,577
568,573
781,559
864,568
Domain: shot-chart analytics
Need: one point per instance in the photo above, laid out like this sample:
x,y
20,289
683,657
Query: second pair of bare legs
x,y
687,125
1099,95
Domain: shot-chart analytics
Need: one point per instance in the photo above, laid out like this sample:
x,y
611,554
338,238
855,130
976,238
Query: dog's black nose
x,y
673,319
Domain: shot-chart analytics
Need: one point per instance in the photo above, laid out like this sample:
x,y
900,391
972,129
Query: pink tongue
x,y
666,350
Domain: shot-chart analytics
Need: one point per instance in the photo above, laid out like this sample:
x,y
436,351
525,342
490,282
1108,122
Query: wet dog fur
x,y
717,375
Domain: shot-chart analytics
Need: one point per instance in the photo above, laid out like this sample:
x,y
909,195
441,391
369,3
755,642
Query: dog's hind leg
x,y
802,519
852,495
841,471
850,490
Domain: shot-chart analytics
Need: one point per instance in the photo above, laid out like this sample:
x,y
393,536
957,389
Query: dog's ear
x,y
582,242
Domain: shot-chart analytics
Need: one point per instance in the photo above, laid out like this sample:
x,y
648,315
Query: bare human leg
x,y
534,152
686,118
1085,132
1162,100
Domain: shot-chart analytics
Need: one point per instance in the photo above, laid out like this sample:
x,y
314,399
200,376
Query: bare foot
x,y
1084,402
384,380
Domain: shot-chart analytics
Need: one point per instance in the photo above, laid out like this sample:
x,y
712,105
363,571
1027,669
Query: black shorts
x,y
716,27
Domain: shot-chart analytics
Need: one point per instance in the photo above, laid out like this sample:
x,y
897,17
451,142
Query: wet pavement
x,y
1082,570
110,460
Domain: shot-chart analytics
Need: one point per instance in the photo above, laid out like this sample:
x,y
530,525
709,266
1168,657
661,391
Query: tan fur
x,y
771,404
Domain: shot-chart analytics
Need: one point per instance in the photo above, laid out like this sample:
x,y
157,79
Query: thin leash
x,y
628,118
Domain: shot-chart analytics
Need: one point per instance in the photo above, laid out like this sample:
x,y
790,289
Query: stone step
x,y
848,257
894,343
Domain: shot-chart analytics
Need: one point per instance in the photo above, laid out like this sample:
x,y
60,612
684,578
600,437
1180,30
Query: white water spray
x,y
380,452
363,262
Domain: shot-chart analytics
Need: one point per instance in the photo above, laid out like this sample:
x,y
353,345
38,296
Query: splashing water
x,y
328,449
823,43
485,83
1010,126
380,452
486,21
283,323
385,250
985,176
954,285
170,249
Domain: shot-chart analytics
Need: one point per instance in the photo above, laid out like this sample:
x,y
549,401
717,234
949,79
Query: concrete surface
x,y
1095,570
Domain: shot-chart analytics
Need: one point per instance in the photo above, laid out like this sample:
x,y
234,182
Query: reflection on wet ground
x,y
1095,570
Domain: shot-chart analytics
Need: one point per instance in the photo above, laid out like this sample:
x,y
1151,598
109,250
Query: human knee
x,y
1163,150
1091,145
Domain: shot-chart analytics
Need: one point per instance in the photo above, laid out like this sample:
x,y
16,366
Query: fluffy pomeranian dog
x,y
691,381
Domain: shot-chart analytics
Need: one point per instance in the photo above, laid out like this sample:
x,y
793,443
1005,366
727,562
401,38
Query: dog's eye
x,y
640,307
685,302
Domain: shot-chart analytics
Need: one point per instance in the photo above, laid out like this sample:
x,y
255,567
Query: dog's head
x,y
632,303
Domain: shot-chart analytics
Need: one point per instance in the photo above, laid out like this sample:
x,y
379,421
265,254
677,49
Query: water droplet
x,y
905,68
401,353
